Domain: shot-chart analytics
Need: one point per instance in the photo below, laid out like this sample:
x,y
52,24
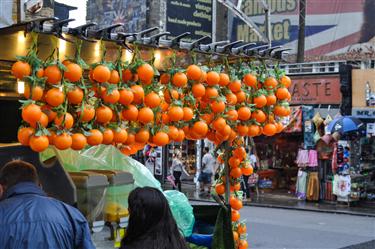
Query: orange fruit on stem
x,y
36,92
231,98
193,72
112,97
107,136
142,136
54,97
235,215
235,172
88,113
220,189
253,131
138,93
79,141
53,74
43,121
152,100
247,170
232,115
270,83
130,113
173,132
219,123
179,79
198,90
200,128
250,80
165,78
235,86
24,135
218,106
101,73
241,96
188,114
282,93
38,143
104,114
62,141
127,75
120,136
244,113
145,115
67,119
213,78
235,203
73,72
242,130
260,101
126,96
271,100
269,129
21,69
285,81
115,77
95,137
175,113
75,96
259,116
224,79
130,140
160,138
145,73
211,93
243,244
31,113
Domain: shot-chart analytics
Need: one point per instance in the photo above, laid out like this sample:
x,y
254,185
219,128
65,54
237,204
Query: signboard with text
x,y
194,16
316,89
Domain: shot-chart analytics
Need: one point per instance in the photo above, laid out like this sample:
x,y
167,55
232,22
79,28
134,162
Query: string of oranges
x,y
129,105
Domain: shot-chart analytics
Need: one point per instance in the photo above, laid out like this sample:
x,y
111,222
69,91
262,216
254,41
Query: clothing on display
x,y
312,193
341,185
302,158
313,158
301,185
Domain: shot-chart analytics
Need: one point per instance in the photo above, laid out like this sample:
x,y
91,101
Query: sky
x,y
79,14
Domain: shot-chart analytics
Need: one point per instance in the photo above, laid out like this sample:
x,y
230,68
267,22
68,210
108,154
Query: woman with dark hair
x,y
151,224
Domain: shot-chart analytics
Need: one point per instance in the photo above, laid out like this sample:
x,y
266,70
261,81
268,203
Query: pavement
x,y
284,201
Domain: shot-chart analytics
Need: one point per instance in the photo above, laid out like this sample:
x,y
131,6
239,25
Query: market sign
x,y
365,113
316,89
194,16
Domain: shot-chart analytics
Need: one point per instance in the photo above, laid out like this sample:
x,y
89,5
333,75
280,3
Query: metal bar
x,y
244,18
214,15
226,165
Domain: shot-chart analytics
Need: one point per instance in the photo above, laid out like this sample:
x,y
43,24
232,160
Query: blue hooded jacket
x,y
29,219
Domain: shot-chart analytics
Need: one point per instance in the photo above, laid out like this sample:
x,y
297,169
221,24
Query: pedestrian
x,y
206,171
177,168
30,219
151,224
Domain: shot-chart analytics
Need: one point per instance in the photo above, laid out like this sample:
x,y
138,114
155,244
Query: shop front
x,y
298,162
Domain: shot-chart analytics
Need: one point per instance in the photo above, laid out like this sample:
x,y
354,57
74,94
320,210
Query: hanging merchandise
x,y
341,185
318,120
308,135
302,158
301,185
312,193
316,136
313,158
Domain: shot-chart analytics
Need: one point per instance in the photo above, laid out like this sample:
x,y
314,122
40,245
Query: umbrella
x,y
345,124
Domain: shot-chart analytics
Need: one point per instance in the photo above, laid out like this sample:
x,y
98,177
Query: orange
x,y
224,79
79,141
130,113
242,130
193,72
235,86
270,83
259,116
282,93
250,80
179,79
244,113
73,72
120,136
231,98
152,100
220,189
269,129
235,203
107,136
211,93
62,141
101,73
75,96
235,215
138,93
241,96
160,138
31,113
285,81
111,98
24,135
218,106
232,115
104,114
53,74
200,128
145,115
126,97
38,143
43,121
271,100
260,101
142,136
36,92
21,69
175,113
88,113
213,78
198,90
165,78
95,137
67,119
54,97
188,114
145,73
219,123
172,132
114,78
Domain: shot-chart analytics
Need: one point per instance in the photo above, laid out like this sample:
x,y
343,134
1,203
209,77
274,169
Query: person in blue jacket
x,y
31,219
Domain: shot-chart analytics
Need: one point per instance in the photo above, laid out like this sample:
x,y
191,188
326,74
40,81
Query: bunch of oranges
x,y
131,105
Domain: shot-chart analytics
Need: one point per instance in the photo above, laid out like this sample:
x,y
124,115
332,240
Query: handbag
x,y
253,179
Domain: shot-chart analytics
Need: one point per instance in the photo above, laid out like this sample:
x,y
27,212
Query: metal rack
x,y
148,38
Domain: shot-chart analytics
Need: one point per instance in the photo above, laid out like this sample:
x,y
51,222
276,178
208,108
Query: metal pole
x,y
214,8
20,11
268,26
227,172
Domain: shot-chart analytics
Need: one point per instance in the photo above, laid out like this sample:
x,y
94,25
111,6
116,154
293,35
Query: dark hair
x,y
206,149
18,171
151,224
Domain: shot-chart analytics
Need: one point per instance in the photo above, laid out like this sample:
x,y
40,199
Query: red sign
x,y
317,89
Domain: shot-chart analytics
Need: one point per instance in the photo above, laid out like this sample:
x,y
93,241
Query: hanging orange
x,y
244,113
232,115
194,72
104,114
260,101
218,106
165,78
270,83
160,138
173,132
188,114
250,80
36,92
79,141
269,129
95,137
259,116
213,78
138,93
31,113
24,135
224,79
179,79
145,115
253,130
88,113
241,96
73,72
142,136
126,97
145,73
38,143
285,81
54,97
67,119
219,123
211,92
200,128
120,135
108,136
235,86
175,113
271,99
114,78
242,130
101,73
75,96
21,69
152,100
198,90
282,93
62,141
53,74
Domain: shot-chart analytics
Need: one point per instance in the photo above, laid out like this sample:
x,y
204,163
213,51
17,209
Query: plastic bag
x,y
182,211
103,157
